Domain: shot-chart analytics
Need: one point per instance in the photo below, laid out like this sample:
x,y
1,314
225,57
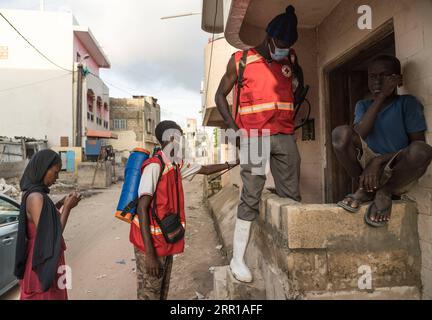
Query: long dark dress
x,y
30,288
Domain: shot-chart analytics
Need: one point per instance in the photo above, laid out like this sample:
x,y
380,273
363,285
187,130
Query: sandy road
x,y
102,260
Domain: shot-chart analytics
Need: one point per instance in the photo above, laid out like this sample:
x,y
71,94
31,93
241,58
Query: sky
x,y
149,56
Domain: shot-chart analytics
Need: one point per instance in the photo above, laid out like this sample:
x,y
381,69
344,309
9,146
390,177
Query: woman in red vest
x,y
161,194
265,109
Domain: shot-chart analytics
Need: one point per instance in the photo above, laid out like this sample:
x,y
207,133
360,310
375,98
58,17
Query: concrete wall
x,y
291,262
102,174
312,179
338,33
41,102
222,52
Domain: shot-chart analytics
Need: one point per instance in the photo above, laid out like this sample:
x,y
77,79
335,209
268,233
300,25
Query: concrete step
x,y
220,291
226,287
394,293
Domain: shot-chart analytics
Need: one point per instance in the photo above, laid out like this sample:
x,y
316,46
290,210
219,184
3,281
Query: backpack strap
x,y
154,215
242,67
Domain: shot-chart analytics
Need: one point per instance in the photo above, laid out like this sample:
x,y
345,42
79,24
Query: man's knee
x,y
342,137
420,153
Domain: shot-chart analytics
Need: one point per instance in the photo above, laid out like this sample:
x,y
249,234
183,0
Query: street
x,y
102,259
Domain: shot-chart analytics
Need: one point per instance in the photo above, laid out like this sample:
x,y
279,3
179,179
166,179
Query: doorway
x,y
347,84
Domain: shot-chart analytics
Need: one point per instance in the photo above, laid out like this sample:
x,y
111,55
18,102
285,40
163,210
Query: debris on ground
x,y
199,295
122,261
101,276
212,269
219,247
9,189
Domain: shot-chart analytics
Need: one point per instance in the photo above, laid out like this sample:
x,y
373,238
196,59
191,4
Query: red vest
x,y
266,98
166,202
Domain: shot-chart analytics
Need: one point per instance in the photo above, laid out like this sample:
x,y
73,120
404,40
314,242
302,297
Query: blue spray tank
x,y
126,208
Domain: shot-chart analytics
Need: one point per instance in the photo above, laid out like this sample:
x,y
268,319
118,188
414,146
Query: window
x,y
8,212
119,124
149,126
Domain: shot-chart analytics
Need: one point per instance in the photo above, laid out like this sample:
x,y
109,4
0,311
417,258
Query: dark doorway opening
x,y
347,84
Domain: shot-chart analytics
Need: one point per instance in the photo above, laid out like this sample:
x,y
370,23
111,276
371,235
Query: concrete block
x,y
390,268
86,172
308,271
394,293
333,227
220,291
274,209
223,207
244,291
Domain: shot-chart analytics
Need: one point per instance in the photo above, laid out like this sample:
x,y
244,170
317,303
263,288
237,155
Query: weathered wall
x,y
102,178
339,33
292,262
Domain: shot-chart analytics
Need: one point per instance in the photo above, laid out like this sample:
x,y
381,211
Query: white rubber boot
x,y
238,266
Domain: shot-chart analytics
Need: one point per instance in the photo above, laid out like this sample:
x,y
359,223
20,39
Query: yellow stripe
x,y
266,107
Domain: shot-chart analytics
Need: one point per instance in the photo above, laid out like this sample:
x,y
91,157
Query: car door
x,y
9,212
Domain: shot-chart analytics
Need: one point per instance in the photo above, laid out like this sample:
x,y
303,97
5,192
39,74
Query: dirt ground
x,y
102,260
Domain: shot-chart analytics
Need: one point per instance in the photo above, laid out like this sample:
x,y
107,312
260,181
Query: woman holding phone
x,y
40,244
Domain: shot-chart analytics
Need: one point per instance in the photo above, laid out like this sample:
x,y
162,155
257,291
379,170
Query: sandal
x,y
348,207
376,224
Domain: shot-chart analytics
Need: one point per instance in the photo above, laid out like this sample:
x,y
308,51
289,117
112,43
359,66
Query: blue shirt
x,y
393,124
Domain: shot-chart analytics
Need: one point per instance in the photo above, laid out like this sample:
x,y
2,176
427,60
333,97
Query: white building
x,y
38,98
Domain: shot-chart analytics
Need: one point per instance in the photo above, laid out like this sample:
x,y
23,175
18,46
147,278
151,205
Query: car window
x,y
8,212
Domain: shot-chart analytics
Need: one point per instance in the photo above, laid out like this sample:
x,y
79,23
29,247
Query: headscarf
x,y
284,27
46,252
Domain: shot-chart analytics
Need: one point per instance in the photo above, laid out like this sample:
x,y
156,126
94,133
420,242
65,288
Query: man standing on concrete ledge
x,y
263,109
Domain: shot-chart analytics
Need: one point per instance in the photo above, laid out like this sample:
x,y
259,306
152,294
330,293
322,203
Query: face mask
x,y
279,53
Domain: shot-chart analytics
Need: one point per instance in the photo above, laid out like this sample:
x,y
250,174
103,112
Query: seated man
x,y
386,149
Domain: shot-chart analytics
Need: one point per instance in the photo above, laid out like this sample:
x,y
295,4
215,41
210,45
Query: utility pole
x,y
78,137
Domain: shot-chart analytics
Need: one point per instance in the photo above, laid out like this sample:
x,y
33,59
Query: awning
x,y
101,134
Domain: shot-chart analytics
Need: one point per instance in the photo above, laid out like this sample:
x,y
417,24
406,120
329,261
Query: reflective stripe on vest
x,y
266,106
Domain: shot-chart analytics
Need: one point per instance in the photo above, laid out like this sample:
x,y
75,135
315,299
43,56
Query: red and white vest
x,y
266,98
166,203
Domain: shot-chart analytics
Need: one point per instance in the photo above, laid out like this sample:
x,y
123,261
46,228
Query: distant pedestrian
x,y
40,244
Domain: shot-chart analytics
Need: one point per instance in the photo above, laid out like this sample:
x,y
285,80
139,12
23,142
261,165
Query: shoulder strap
x,y
242,67
162,164
155,217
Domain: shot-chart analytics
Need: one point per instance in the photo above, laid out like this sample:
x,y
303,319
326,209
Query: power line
x,y
37,50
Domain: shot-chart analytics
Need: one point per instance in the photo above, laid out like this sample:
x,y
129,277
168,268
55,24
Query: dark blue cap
x,y
284,27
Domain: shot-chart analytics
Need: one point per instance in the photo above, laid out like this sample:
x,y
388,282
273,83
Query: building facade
x,y
134,122
45,97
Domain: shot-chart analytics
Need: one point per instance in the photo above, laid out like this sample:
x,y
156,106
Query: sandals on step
x,y
349,208
376,224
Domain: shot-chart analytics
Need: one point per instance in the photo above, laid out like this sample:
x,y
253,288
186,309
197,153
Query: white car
x,y
9,212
